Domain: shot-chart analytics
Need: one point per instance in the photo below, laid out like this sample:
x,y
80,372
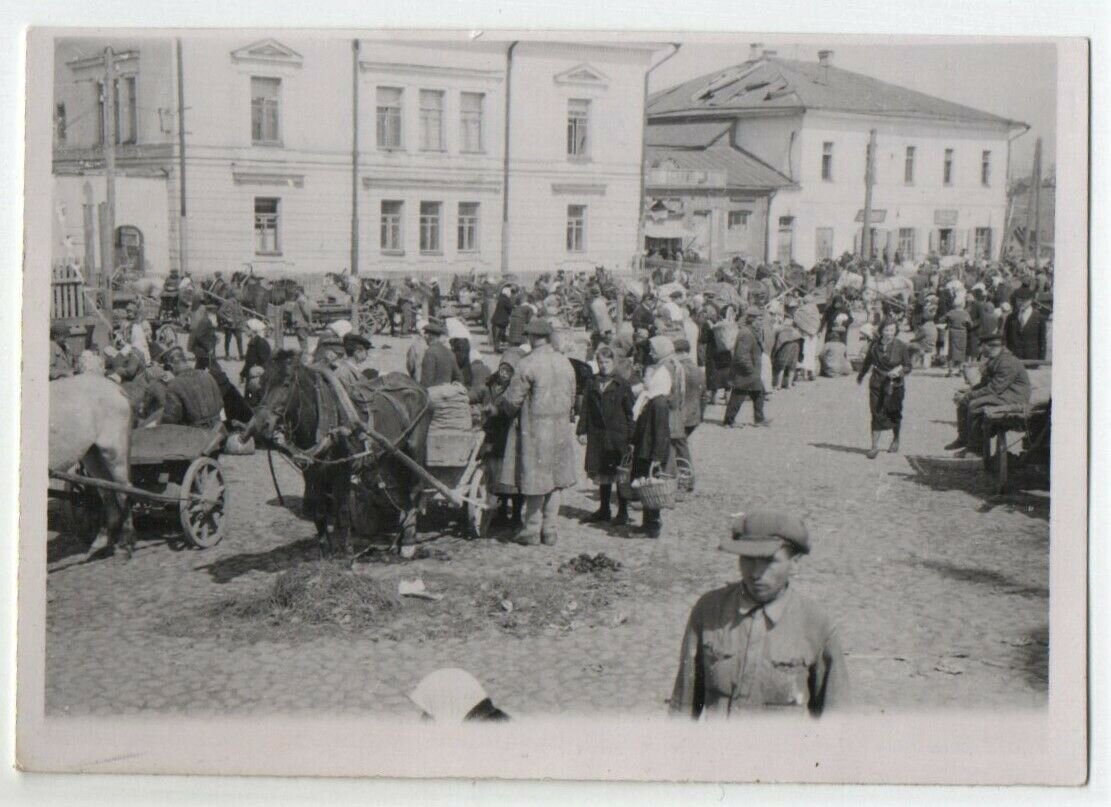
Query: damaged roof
x,y
743,170
771,83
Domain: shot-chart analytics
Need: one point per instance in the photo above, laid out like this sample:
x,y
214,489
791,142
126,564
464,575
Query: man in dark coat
x,y
193,397
1025,331
499,321
644,315
1004,381
438,366
744,375
202,334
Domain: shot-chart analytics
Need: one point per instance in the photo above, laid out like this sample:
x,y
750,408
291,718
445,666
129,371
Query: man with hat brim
x,y
349,369
1004,382
539,458
192,397
758,643
438,365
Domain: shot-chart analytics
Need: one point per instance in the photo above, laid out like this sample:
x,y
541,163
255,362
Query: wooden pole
x,y
355,292
1036,200
182,235
110,135
869,178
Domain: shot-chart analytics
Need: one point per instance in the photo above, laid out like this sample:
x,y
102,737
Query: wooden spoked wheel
x,y
374,318
478,519
204,499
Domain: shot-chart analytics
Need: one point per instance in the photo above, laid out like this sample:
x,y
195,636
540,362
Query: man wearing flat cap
x,y
758,644
539,458
438,365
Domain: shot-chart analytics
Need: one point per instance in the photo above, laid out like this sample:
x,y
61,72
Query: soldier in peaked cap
x,y
759,644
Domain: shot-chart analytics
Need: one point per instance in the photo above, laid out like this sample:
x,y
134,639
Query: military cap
x,y
761,533
355,340
435,326
991,339
538,326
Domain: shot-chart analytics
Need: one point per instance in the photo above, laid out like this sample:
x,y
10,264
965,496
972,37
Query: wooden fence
x,y
67,286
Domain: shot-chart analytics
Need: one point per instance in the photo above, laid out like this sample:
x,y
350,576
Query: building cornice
x,y
269,52
98,60
281,178
579,188
433,183
437,71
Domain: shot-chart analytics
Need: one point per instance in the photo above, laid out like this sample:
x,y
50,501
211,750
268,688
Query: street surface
x,y
939,587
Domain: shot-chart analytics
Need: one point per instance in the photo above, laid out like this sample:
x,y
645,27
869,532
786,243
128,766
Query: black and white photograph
x,y
466,381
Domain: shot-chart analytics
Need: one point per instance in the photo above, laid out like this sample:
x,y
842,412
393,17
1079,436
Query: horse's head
x,y
278,383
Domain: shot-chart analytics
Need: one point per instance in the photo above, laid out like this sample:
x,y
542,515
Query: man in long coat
x,y
745,374
539,458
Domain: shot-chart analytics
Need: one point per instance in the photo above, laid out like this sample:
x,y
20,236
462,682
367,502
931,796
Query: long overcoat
x,y
540,450
744,373
607,422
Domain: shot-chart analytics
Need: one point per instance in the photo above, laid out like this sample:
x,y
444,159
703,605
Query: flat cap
x,y
435,326
538,326
761,533
172,354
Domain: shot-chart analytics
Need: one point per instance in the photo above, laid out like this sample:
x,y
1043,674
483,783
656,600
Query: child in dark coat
x,y
604,427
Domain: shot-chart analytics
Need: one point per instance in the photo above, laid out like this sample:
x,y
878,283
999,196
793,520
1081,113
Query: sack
x,y
599,311
807,319
450,407
725,334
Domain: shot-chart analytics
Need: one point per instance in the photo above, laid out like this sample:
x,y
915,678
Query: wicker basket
x,y
658,492
623,476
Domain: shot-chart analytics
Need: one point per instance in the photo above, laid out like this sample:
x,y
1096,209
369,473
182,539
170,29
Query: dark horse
x,y
302,404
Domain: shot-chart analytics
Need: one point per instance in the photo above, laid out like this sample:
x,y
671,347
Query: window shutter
x,y
933,240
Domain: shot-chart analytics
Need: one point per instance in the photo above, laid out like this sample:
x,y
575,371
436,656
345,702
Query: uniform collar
x,y
774,610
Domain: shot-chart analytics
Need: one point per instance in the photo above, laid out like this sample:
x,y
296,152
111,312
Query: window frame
x,y
387,220
575,123
909,164
976,254
422,109
60,123
263,140
389,114
788,228
276,227
100,134
743,216
817,242
472,223
575,231
907,254
465,115
436,228
947,168
985,168
827,161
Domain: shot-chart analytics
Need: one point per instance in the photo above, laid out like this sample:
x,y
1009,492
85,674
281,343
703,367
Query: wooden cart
x,y
1025,427
454,458
175,472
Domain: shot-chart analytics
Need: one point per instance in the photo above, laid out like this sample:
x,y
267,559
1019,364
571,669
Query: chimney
x,y
825,58
754,51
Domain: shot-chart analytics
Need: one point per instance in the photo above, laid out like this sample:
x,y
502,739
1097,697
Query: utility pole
x,y
355,181
108,231
182,235
1036,200
869,178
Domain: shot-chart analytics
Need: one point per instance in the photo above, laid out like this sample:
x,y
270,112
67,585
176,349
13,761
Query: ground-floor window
x,y
391,226
430,227
576,228
266,226
738,220
823,243
946,241
983,242
468,227
785,247
906,243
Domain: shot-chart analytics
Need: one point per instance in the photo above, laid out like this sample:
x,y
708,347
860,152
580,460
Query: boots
x,y
603,511
518,505
622,516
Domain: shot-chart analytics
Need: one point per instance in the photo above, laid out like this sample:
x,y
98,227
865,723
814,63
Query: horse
x,y
302,404
90,425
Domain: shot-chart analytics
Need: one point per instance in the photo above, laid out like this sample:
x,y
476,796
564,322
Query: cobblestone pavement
x,y
940,588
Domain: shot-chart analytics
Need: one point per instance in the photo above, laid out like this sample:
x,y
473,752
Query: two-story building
x,y
295,153
940,168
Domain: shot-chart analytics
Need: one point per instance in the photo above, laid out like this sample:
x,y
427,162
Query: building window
x,y
389,117
827,161
430,228
738,219
578,126
908,167
126,112
947,170
431,120
906,243
985,169
946,241
265,106
785,248
391,218
576,228
983,243
60,123
266,226
468,227
100,122
470,120
823,243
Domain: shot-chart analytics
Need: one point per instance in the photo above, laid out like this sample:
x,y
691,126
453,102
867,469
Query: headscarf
x,y
662,347
658,383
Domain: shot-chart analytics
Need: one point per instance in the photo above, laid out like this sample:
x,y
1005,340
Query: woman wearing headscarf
x,y
652,437
717,359
959,323
496,424
889,360
604,428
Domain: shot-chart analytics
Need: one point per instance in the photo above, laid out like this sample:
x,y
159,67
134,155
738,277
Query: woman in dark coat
x,y
889,360
604,427
652,437
718,361
496,423
959,323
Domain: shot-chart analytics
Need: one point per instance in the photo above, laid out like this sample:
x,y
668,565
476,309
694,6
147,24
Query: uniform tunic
x,y
738,655
539,452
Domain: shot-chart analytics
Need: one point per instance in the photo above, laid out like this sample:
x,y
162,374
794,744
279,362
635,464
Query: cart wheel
x,y
84,512
1001,459
378,319
204,496
478,519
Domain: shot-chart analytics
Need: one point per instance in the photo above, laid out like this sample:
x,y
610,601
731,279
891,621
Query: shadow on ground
x,y
278,559
843,449
968,475
986,577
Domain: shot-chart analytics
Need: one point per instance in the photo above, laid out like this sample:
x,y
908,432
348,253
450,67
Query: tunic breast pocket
x,y
786,684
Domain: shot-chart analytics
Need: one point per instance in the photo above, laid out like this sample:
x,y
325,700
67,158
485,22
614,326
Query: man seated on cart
x,y
1004,382
193,397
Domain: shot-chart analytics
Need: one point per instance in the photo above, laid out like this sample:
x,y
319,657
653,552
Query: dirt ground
x,y
940,587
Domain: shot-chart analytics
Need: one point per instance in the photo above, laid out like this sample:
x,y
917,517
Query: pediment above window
x,y
583,75
268,52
